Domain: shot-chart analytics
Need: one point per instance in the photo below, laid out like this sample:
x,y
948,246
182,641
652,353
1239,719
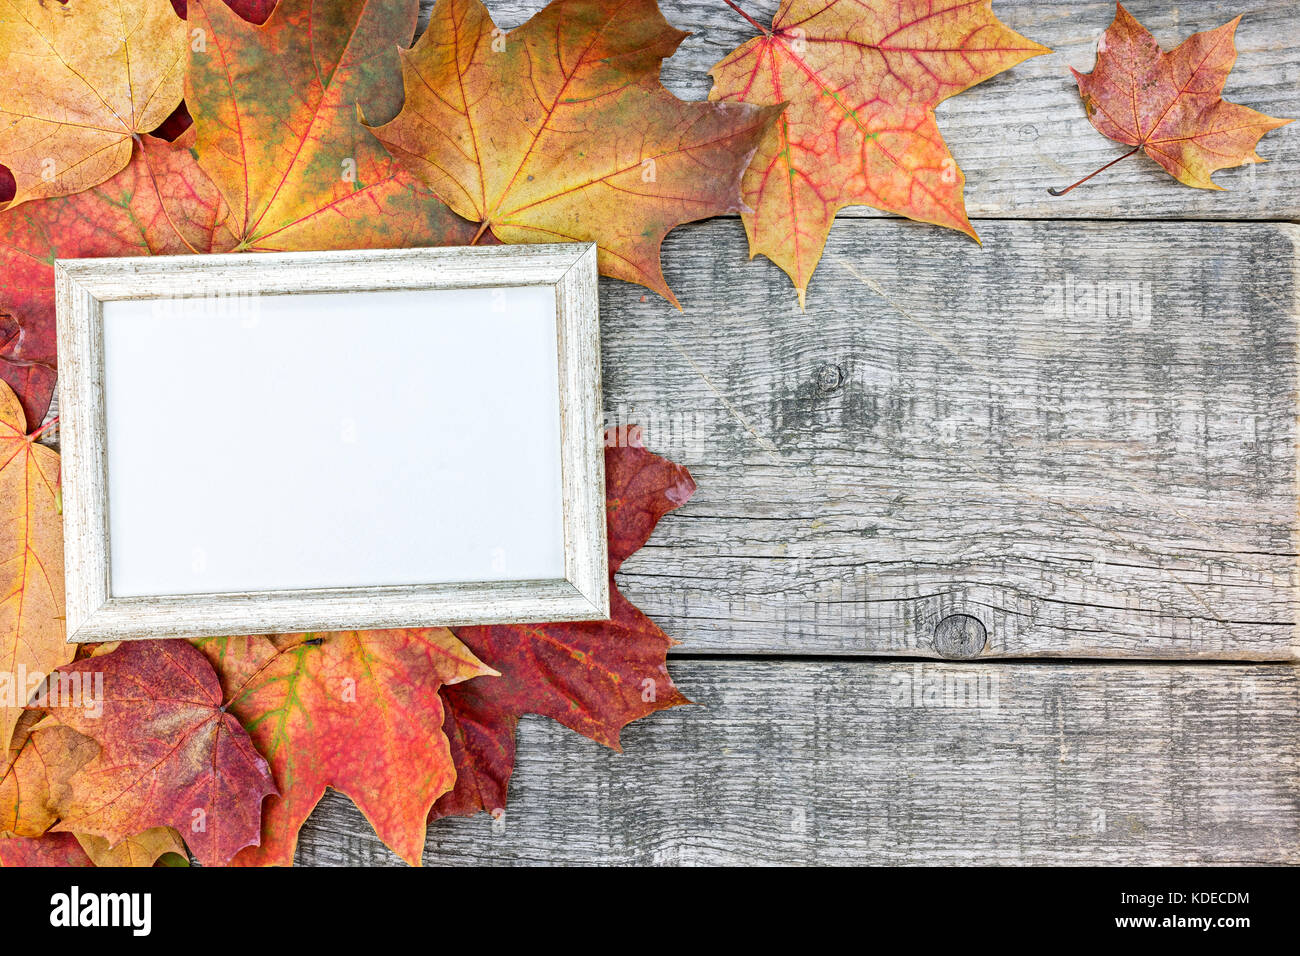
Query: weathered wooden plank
x,y
1087,441
861,762
1025,131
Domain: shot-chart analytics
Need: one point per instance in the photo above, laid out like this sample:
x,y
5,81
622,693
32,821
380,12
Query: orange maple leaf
x,y
31,566
1170,105
561,131
82,80
275,111
358,711
43,761
862,79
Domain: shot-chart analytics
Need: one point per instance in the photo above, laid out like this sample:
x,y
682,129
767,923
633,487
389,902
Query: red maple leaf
x,y
169,752
1170,105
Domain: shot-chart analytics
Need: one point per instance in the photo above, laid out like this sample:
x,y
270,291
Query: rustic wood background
x,y
973,575
940,438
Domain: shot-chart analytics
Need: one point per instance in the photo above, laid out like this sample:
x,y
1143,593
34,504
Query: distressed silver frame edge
x,y
83,285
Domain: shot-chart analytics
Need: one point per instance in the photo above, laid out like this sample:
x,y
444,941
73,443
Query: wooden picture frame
x,y
85,287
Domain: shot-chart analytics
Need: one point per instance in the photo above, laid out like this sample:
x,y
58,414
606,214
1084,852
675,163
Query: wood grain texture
x,y
862,762
1025,131
1087,441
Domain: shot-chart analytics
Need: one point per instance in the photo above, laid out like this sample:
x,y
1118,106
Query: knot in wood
x,y
960,637
829,379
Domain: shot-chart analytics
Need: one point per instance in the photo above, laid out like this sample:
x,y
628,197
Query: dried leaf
x,y
275,108
31,565
481,733
170,754
37,780
357,711
560,130
862,79
1170,105
161,204
594,677
93,75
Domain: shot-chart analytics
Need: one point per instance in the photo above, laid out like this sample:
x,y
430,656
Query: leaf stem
x,y
43,429
482,228
1062,192
752,22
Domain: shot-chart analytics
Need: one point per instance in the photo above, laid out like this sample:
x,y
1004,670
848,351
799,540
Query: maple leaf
x,y
169,753
92,76
358,711
480,732
275,109
45,757
37,779
862,79
31,564
53,849
560,130
594,677
160,204
1170,105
